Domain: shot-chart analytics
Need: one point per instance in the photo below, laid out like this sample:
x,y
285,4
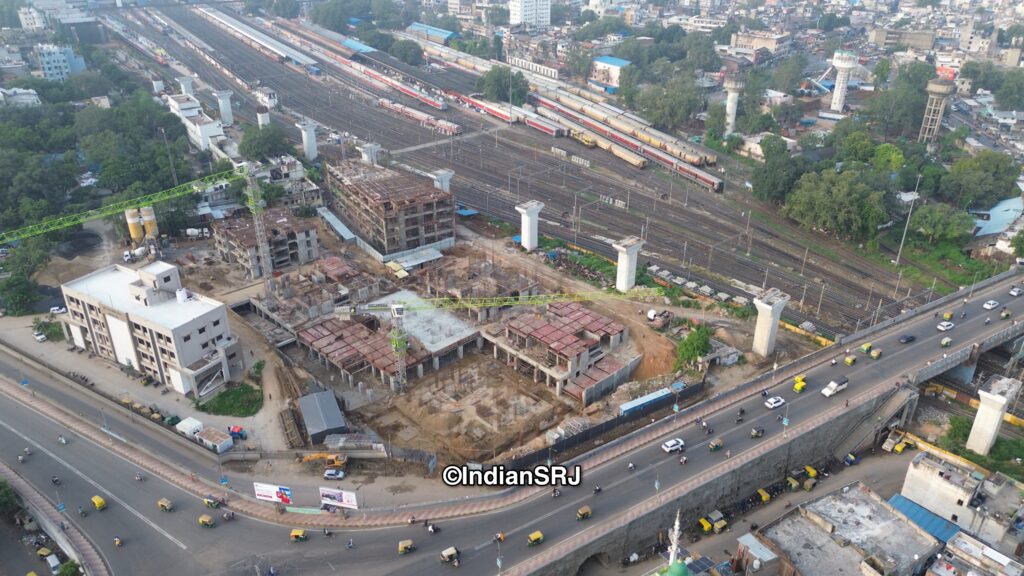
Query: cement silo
x,y
135,227
149,222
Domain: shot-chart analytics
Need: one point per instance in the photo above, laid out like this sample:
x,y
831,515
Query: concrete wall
x,y
716,491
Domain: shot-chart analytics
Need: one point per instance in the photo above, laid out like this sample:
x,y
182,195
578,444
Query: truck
x,y
836,386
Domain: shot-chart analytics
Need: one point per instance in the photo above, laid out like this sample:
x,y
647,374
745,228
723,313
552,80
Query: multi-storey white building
x,y
203,131
146,320
31,19
57,63
530,13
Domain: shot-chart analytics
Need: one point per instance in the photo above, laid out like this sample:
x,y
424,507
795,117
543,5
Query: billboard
x,y
272,492
338,498
945,72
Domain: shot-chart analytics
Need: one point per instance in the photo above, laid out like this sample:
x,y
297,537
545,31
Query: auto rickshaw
x,y
792,483
535,538
450,554
43,552
946,342
211,502
584,513
165,505
799,383
1005,314
705,525
865,348
718,521
99,502
756,432
947,315
298,535
811,471
406,546
207,521
876,353
850,360
765,496
715,444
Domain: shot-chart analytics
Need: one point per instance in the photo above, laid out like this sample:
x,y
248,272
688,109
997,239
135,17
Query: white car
x,y
1016,291
39,336
673,445
945,326
58,310
333,474
774,402
990,305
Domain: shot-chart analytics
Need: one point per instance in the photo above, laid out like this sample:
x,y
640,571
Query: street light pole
x,y
907,226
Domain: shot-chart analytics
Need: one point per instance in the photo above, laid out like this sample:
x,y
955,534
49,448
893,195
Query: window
x,y
231,356
187,337
955,518
202,330
960,502
220,337
167,279
216,323
205,345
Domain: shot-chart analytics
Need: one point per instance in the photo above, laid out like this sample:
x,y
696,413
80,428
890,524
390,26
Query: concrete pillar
x,y
443,179
479,342
436,362
629,249
495,351
224,102
996,395
733,85
262,116
844,62
769,312
369,152
308,139
558,387
461,352
530,211
963,374
419,370
186,85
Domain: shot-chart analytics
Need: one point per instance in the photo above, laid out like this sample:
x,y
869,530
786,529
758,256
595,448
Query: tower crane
x,y
256,205
66,221
399,339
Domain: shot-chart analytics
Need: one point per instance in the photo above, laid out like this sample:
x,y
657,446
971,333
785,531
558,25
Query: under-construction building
x,y
292,241
392,213
462,278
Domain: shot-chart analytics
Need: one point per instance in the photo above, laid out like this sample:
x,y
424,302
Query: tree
x,y
8,499
881,72
260,143
936,222
1018,245
600,28
495,85
407,51
18,292
700,51
887,158
562,14
732,142
696,344
898,110
579,62
588,16
789,73
773,180
980,181
773,146
497,16
1010,95
984,75
285,8
837,203
714,124
857,147
69,568
670,106
787,114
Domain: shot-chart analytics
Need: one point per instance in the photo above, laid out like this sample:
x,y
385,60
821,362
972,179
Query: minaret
x,y
673,538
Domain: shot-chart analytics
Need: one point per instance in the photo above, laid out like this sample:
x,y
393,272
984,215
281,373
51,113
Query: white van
x,y
53,563
836,386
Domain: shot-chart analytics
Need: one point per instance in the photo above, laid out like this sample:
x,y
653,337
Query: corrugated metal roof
x,y
927,520
320,413
336,224
421,28
612,61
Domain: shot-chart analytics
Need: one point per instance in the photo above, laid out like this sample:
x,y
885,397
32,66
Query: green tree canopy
x,y
937,222
980,181
495,85
696,344
881,72
407,51
789,73
671,106
1010,95
775,179
887,158
498,16
898,110
1018,245
714,124
600,28
267,142
837,203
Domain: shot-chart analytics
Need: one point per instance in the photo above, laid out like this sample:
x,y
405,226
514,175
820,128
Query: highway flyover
x,y
161,543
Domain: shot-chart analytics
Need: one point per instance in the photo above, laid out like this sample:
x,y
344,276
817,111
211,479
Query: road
x,y
157,539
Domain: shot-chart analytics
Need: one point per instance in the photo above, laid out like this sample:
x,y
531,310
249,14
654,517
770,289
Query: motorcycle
x,y
55,480
82,512
556,493
21,459
597,489
682,460
632,467
433,529
140,478
27,452
62,439
739,419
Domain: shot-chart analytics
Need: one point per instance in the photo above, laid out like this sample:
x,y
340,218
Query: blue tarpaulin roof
x,y
430,31
357,46
612,61
927,520
339,228
1000,216
466,212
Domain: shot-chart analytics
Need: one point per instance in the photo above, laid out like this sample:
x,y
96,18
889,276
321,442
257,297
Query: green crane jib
x,y
61,222
501,301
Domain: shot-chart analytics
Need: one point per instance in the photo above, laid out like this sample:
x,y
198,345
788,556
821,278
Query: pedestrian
x,y
847,403
728,453
270,396
350,544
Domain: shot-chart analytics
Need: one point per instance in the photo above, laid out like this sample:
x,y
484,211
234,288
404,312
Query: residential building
x,y
889,39
31,19
965,554
12,65
392,213
978,38
19,97
203,132
530,13
986,506
146,320
697,23
460,7
606,71
57,63
849,531
292,241
777,43
286,171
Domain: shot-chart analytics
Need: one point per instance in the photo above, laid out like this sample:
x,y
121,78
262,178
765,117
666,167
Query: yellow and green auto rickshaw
x,y
99,502
947,315
799,383
535,538
865,348
298,535
165,505
705,525
715,445
876,353
207,521
717,520
850,360
406,546
946,342
584,513
450,555
765,496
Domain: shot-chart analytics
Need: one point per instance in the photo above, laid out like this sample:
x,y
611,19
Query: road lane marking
x,y
96,485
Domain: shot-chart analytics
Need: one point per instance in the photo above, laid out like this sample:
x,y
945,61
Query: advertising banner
x,y
272,492
338,498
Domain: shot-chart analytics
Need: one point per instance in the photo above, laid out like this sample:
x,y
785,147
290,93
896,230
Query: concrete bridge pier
x,y
963,374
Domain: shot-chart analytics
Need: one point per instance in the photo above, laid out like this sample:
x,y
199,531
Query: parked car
x,y
673,445
333,474
39,336
58,310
